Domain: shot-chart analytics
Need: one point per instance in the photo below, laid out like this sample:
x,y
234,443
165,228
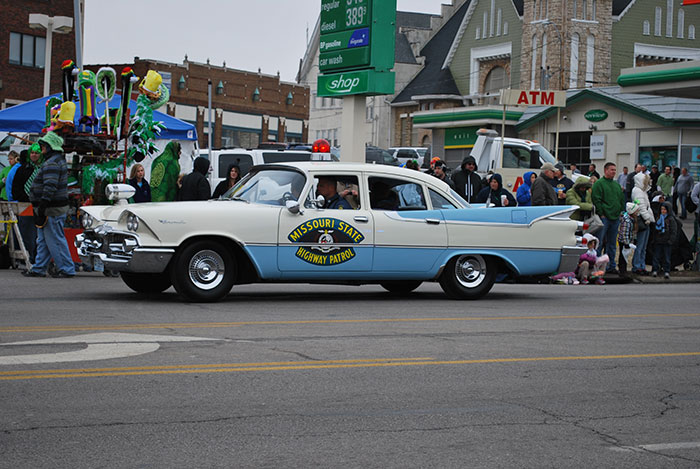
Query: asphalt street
x,y
93,375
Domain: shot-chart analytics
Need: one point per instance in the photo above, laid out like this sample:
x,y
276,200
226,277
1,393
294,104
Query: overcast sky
x,y
265,34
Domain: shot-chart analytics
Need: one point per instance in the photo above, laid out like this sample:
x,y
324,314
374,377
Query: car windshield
x,y
546,156
422,151
268,186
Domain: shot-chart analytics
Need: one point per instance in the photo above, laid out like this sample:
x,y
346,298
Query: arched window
x,y
593,8
485,26
533,68
691,32
681,23
669,18
657,21
584,10
575,7
543,64
495,80
645,28
499,17
573,67
505,28
590,59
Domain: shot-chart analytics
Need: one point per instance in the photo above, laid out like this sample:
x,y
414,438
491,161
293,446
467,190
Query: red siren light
x,y
321,146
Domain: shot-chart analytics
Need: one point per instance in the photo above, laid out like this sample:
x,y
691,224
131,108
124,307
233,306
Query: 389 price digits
x,y
356,15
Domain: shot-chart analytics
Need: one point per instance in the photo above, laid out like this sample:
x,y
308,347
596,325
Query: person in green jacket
x,y
164,172
665,182
580,194
609,202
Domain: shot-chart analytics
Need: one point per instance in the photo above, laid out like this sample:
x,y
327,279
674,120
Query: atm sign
x,y
533,98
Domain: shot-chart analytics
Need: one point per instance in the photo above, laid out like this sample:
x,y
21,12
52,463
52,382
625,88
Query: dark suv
x,y
378,156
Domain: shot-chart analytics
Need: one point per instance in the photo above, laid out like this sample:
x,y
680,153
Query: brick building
x,y
247,107
487,45
22,50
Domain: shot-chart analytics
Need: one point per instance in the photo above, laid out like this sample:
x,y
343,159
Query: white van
x,y
411,153
220,160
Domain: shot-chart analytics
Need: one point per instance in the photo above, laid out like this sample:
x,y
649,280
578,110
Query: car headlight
x,y
86,220
132,222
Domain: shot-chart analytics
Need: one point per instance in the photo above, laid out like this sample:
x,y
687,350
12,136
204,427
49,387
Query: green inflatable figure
x,y
165,170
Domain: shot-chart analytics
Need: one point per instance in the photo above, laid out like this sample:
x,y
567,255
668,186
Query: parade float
x,y
105,132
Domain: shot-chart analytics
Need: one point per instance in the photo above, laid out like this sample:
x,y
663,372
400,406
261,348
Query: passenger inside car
x,y
382,197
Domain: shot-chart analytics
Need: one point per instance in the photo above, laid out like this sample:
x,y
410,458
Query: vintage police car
x,y
397,228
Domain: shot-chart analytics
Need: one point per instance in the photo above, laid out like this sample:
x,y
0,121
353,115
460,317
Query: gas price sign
x,y
356,47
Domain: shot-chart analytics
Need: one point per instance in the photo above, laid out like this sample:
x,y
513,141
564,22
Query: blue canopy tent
x,y
31,117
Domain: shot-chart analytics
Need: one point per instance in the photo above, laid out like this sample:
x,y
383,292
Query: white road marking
x,y
100,346
658,447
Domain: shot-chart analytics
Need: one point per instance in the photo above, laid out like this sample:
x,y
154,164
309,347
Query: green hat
x,y
52,140
36,148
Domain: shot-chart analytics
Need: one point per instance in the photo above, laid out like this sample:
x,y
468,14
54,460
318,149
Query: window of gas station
x,y
574,147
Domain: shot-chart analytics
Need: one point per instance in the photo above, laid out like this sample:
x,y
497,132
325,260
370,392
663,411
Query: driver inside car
x,y
328,188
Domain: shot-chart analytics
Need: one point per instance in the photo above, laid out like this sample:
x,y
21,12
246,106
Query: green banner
x,y
460,137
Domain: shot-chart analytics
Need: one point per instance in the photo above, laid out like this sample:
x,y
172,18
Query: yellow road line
x,y
193,325
215,365
230,368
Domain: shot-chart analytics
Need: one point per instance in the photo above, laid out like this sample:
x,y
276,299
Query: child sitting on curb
x,y
590,266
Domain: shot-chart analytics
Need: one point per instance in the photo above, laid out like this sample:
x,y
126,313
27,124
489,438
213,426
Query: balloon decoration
x,y
106,86
86,94
143,130
128,80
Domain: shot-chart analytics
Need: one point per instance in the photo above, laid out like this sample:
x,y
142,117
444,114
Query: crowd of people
x,y
640,212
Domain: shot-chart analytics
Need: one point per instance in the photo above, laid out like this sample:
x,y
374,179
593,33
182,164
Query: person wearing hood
x,y
495,194
524,194
21,188
666,231
642,184
626,234
195,185
467,181
49,196
580,194
542,191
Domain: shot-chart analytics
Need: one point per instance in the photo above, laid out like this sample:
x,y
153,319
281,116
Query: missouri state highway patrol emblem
x,y
325,241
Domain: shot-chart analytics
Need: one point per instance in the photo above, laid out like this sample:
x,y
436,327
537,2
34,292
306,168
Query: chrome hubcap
x,y
206,269
470,270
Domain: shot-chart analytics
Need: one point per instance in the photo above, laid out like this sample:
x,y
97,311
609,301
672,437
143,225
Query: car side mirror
x,y
320,200
293,206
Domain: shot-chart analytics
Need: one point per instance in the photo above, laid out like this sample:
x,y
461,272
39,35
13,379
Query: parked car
x,y
420,154
407,228
376,155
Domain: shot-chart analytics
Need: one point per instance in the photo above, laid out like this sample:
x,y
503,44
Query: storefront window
x,y
690,158
660,156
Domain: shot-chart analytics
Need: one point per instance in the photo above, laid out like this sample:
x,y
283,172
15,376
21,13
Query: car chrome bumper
x,y
569,258
121,251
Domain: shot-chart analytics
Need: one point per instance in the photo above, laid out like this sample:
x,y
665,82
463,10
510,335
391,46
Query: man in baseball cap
x,y
542,188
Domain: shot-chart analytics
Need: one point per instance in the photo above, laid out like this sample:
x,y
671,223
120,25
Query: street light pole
x,y
59,24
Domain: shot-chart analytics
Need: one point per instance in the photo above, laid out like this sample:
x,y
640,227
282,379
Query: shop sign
x,y
597,147
596,115
358,82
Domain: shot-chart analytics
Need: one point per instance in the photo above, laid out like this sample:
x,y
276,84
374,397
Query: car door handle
x,y
361,219
432,221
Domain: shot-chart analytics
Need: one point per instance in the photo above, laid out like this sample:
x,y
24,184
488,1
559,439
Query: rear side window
x,y
439,202
395,194
244,161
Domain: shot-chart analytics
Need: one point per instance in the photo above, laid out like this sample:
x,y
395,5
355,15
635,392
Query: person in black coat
x,y
233,175
138,182
19,194
496,194
195,185
467,181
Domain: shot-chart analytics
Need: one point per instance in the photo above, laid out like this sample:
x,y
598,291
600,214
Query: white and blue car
x,y
398,228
